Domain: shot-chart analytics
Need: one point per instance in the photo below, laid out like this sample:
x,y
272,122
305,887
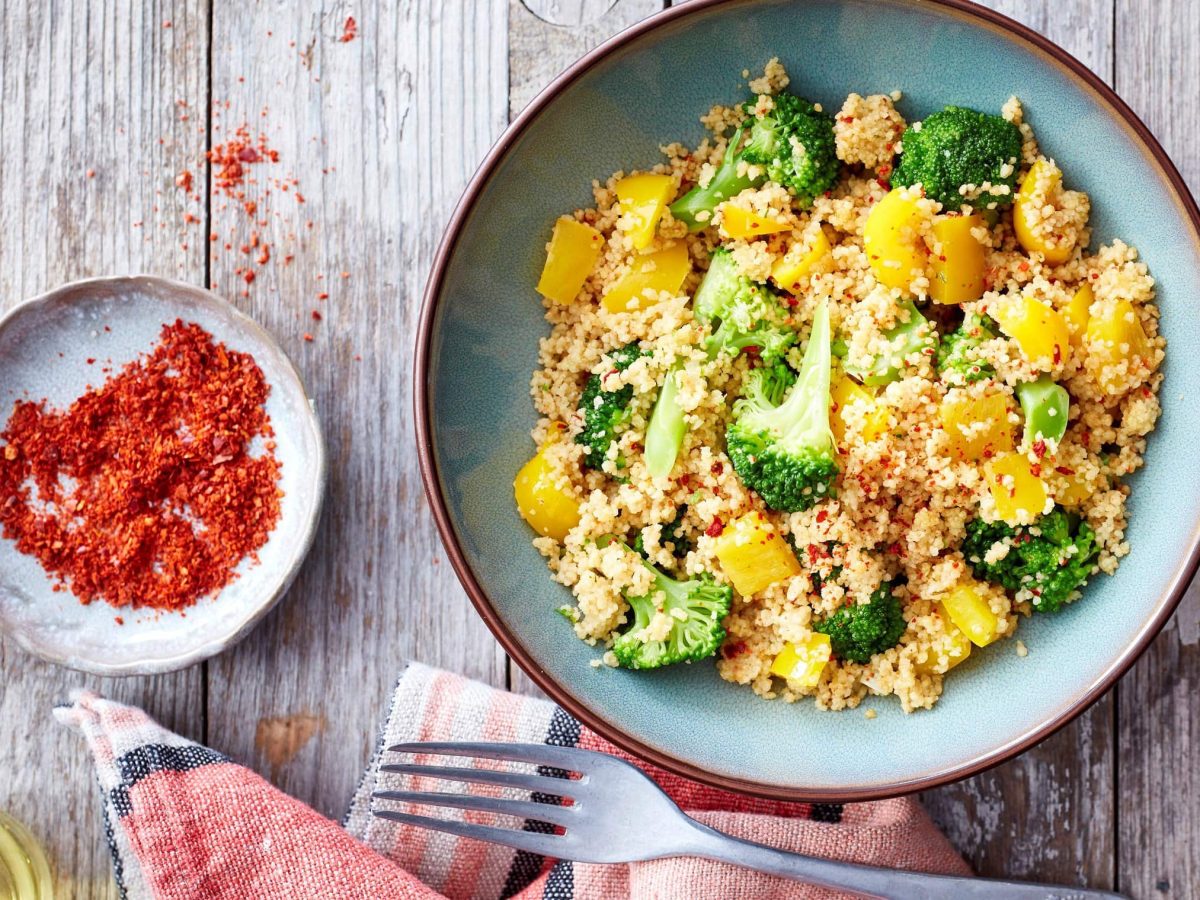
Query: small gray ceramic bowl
x,y
44,347
478,345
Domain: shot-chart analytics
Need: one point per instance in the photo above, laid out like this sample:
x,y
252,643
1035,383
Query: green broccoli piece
x,y
915,335
795,144
957,147
605,413
958,360
792,145
1051,559
742,314
695,610
779,440
672,533
858,632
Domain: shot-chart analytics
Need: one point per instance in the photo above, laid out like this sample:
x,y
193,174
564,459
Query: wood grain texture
x,y
1158,719
90,88
382,133
1049,815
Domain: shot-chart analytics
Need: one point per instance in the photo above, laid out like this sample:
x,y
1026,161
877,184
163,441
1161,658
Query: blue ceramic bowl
x,y
478,346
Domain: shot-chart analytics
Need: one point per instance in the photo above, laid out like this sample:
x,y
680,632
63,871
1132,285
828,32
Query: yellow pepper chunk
x,y
574,249
754,555
1071,490
967,608
643,199
977,426
893,241
1119,356
790,270
660,271
549,510
846,392
1078,312
739,222
954,647
958,270
1018,491
802,663
1039,329
1041,191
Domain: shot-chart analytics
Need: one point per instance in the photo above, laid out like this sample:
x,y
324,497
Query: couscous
x,y
836,399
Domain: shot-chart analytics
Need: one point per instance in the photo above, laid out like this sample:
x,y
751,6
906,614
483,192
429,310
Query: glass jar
x,y
24,872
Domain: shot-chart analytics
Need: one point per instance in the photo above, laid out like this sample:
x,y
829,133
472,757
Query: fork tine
x,y
541,784
521,809
530,841
568,758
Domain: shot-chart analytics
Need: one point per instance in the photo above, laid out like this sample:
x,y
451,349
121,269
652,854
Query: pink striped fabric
x,y
186,822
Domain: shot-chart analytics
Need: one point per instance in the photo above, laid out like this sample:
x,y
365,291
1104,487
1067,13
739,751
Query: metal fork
x,y
617,814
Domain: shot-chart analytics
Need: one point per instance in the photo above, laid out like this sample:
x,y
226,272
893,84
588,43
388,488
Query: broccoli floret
x,y
742,314
858,632
915,335
780,444
690,628
957,147
795,144
672,533
792,145
605,413
958,359
1051,559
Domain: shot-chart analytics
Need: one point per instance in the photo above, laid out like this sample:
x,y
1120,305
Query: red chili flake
x,y
1039,448
190,219
685,479
1057,354
91,360
715,529
349,30
791,301
822,515
316,316
119,620
155,509
1063,470
249,276
895,549
717,468
91,173
847,119
322,296
729,651
308,337
1035,469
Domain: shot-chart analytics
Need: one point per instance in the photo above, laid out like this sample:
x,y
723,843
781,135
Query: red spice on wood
x,y
349,31
145,492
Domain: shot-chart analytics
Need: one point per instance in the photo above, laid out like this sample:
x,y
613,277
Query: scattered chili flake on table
x,y
146,491
349,31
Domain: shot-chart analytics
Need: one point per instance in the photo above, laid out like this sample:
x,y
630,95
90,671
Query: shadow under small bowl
x,y
45,345
478,346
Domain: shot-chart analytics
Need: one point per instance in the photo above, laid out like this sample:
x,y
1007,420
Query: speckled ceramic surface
x,y
483,321
70,321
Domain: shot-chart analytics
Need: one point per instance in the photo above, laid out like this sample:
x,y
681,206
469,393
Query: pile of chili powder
x,y
149,490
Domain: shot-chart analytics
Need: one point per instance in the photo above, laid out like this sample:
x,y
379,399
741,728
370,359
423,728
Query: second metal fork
x,y
614,813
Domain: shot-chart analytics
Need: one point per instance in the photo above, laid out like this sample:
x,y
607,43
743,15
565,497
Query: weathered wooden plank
x,y
1049,814
381,124
87,91
1158,843
544,37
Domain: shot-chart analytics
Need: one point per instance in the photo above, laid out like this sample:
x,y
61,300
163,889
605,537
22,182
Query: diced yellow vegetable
x,y
754,555
977,427
1039,329
1077,313
790,270
574,249
802,663
643,199
968,610
1070,490
958,271
549,510
1019,493
1041,188
662,270
845,392
1119,357
893,241
955,645
739,222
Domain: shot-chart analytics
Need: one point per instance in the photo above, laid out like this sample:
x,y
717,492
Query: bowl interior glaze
x,y
483,321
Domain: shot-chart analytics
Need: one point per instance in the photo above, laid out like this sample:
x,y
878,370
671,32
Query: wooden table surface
x,y
104,105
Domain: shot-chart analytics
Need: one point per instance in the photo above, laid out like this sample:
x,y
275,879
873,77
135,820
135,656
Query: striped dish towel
x,y
186,822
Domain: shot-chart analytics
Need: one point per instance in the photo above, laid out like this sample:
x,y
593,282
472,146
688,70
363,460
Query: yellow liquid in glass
x,y
24,872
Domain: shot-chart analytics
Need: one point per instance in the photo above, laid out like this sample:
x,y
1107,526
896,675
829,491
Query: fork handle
x,y
869,881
